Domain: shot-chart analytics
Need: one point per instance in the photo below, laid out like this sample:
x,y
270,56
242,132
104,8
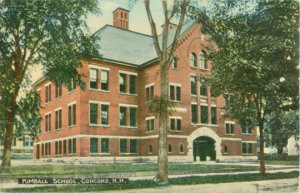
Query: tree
x,y
28,115
50,33
281,125
255,51
165,54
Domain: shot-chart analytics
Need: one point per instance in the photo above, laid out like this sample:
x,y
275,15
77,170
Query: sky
x,y
137,16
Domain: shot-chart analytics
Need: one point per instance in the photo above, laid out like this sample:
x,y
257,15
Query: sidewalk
x,y
266,186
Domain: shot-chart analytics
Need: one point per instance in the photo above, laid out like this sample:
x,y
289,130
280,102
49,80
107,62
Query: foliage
x,y
53,34
282,157
256,50
281,125
28,115
156,103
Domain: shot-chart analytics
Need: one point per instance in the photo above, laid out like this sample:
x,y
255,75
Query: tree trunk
x,y
162,171
261,149
6,157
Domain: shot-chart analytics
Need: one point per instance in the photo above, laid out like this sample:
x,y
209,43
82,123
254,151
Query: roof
x,y
123,46
130,47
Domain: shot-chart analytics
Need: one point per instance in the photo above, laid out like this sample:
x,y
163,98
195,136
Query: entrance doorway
x,y
204,149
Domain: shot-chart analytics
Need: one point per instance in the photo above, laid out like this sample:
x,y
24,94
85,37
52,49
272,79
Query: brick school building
x,y
109,120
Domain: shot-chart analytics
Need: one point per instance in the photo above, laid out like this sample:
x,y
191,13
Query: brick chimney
x,y
121,18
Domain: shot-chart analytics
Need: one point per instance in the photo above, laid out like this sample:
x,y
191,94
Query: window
x,y
60,147
170,148
175,93
93,113
181,148
204,114
175,124
48,148
213,115
202,60
246,128
133,146
132,86
203,88
48,93
149,93
104,114
122,83
65,147
93,145
229,128
193,60
48,122
72,85
58,119
123,145
27,142
194,114
174,63
193,80
150,125
74,145
123,118
43,150
132,116
104,80
72,115
70,146
225,149
104,145
58,90
150,149
93,78
246,148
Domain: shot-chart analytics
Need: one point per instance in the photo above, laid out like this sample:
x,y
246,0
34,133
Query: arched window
x,y
150,149
170,148
174,63
181,148
193,60
202,60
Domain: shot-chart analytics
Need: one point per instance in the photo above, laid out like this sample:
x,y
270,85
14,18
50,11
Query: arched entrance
x,y
210,136
204,149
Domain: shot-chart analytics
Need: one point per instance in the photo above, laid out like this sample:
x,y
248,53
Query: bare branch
x,y
165,32
153,29
184,6
174,9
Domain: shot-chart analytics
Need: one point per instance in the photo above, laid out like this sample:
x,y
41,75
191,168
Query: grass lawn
x,y
56,170
283,162
151,184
